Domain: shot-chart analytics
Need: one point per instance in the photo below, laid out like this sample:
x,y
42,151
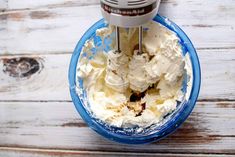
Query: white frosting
x,y
137,73
111,79
188,68
116,71
103,32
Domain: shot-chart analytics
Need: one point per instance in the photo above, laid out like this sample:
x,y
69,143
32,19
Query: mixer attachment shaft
x,y
140,39
118,49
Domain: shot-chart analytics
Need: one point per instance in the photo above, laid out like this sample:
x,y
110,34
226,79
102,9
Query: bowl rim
x,y
173,123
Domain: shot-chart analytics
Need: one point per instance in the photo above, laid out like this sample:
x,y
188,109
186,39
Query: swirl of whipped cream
x,y
116,71
137,74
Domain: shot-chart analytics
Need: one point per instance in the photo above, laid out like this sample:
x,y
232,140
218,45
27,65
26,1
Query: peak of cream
x,y
128,89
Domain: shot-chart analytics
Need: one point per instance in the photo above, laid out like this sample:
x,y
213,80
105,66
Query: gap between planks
x,y
92,152
69,52
62,101
38,53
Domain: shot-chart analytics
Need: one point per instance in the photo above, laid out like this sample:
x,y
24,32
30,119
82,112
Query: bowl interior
x,y
156,131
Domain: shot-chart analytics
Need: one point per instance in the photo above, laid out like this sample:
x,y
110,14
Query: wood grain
x,y
50,83
57,29
36,4
45,31
3,5
218,74
52,125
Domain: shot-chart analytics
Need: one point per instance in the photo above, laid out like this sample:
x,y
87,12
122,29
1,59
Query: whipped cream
x,y
130,89
137,73
117,71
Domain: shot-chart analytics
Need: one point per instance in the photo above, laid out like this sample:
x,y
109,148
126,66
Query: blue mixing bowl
x,y
136,135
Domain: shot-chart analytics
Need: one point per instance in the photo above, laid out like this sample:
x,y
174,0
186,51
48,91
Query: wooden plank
x,y
50,81
54,125
47,82
24,4
218,74
3,5
45,31
57,29
202,21
15,152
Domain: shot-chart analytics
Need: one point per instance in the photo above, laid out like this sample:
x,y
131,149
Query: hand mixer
x,y
129,13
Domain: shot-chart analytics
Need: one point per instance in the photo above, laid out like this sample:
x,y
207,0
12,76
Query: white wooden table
x,y
37,117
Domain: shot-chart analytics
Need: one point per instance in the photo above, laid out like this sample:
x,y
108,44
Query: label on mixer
x,y
129,11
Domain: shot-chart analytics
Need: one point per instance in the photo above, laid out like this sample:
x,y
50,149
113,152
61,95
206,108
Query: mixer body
x,y
129,13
